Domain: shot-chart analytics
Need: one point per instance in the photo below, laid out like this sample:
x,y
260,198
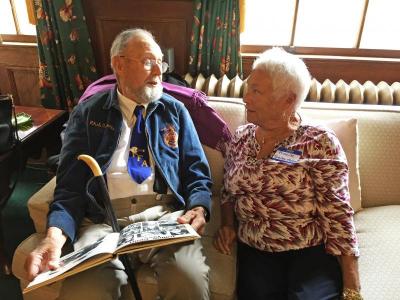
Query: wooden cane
x,y
105,204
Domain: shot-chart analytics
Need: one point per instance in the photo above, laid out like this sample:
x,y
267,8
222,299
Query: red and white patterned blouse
x,y
285,206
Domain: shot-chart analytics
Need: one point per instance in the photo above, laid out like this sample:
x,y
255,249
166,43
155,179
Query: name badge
x,y
286,155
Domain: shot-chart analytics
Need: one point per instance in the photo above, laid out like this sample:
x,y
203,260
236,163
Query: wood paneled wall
x,y
19,73
170,21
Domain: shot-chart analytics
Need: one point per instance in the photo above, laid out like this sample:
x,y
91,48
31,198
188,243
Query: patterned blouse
x,y
285,205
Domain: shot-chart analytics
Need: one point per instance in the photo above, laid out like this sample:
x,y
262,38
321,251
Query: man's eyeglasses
x,y
149,63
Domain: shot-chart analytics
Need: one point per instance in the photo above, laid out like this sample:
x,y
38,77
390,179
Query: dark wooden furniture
x,y
45,132
45,120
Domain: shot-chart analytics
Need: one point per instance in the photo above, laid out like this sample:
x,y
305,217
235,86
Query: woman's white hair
x,y
123,38
288,73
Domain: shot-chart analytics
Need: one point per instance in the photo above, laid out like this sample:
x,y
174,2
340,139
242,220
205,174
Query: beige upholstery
x,y
379,141
346,131
377,223
378,234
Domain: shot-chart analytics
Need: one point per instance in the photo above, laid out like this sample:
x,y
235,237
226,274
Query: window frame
x,y
355,52
18,37
321,51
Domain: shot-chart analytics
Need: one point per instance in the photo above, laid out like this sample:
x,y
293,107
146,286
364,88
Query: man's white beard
x,y
148,93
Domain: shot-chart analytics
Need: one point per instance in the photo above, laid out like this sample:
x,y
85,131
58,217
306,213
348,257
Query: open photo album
x,y
133,238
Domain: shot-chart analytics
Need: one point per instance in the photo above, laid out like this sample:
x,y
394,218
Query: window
x,y
326,27
14,23
382,25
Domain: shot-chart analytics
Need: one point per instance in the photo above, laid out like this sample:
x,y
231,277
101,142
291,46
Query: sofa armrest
x,y
38,205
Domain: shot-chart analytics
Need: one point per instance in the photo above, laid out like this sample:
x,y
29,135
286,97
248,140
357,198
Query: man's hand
x,y
47,254
194,217
224,239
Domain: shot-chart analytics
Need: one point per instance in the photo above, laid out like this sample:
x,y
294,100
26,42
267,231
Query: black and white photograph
x,y
151,230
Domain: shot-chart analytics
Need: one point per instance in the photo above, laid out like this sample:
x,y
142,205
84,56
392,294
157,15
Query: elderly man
x,y
146,144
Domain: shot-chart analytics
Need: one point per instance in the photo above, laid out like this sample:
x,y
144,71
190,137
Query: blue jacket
x,y
94,128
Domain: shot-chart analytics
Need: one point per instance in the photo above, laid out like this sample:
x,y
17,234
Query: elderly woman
x,y
287,185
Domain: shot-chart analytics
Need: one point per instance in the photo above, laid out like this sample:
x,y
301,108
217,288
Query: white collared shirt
x,y
120,184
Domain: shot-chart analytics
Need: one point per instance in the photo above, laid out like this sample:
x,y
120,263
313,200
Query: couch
x,y
370,135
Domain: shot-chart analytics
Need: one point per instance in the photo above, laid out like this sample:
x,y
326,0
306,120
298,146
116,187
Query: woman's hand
x,y
224,239
351,279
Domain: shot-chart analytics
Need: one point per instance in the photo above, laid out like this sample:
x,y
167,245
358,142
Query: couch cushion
x,y
346,132
232,110
379,239
216,162
222,271
379,143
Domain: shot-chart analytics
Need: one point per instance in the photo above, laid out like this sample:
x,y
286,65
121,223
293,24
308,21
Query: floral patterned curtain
x,y
66,61
215,38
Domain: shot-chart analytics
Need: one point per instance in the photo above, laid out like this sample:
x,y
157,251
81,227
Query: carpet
x,y
16,223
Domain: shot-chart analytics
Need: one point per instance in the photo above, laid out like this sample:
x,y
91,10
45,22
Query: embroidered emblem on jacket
x,y
170,136
101,125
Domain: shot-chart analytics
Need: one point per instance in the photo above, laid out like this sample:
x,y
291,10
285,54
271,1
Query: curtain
x,y
66,61
215,44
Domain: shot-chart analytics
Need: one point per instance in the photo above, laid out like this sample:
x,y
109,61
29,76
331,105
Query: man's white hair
x,y
123,38
288,73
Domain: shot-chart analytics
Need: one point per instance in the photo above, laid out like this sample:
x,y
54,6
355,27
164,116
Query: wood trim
x,y
15,17
335,68
19,38
19,55
255,49
294,23
362,23
42,119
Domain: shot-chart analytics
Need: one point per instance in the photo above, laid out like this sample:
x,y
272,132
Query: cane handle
x,y
92,163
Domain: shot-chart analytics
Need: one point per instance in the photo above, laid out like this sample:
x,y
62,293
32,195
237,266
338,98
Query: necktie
x,y
138,160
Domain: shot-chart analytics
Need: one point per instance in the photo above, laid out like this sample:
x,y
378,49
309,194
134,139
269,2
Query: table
x,y
45,121
45,132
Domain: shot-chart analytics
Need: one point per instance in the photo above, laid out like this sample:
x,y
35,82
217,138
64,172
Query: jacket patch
x,y
170,136
101,125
